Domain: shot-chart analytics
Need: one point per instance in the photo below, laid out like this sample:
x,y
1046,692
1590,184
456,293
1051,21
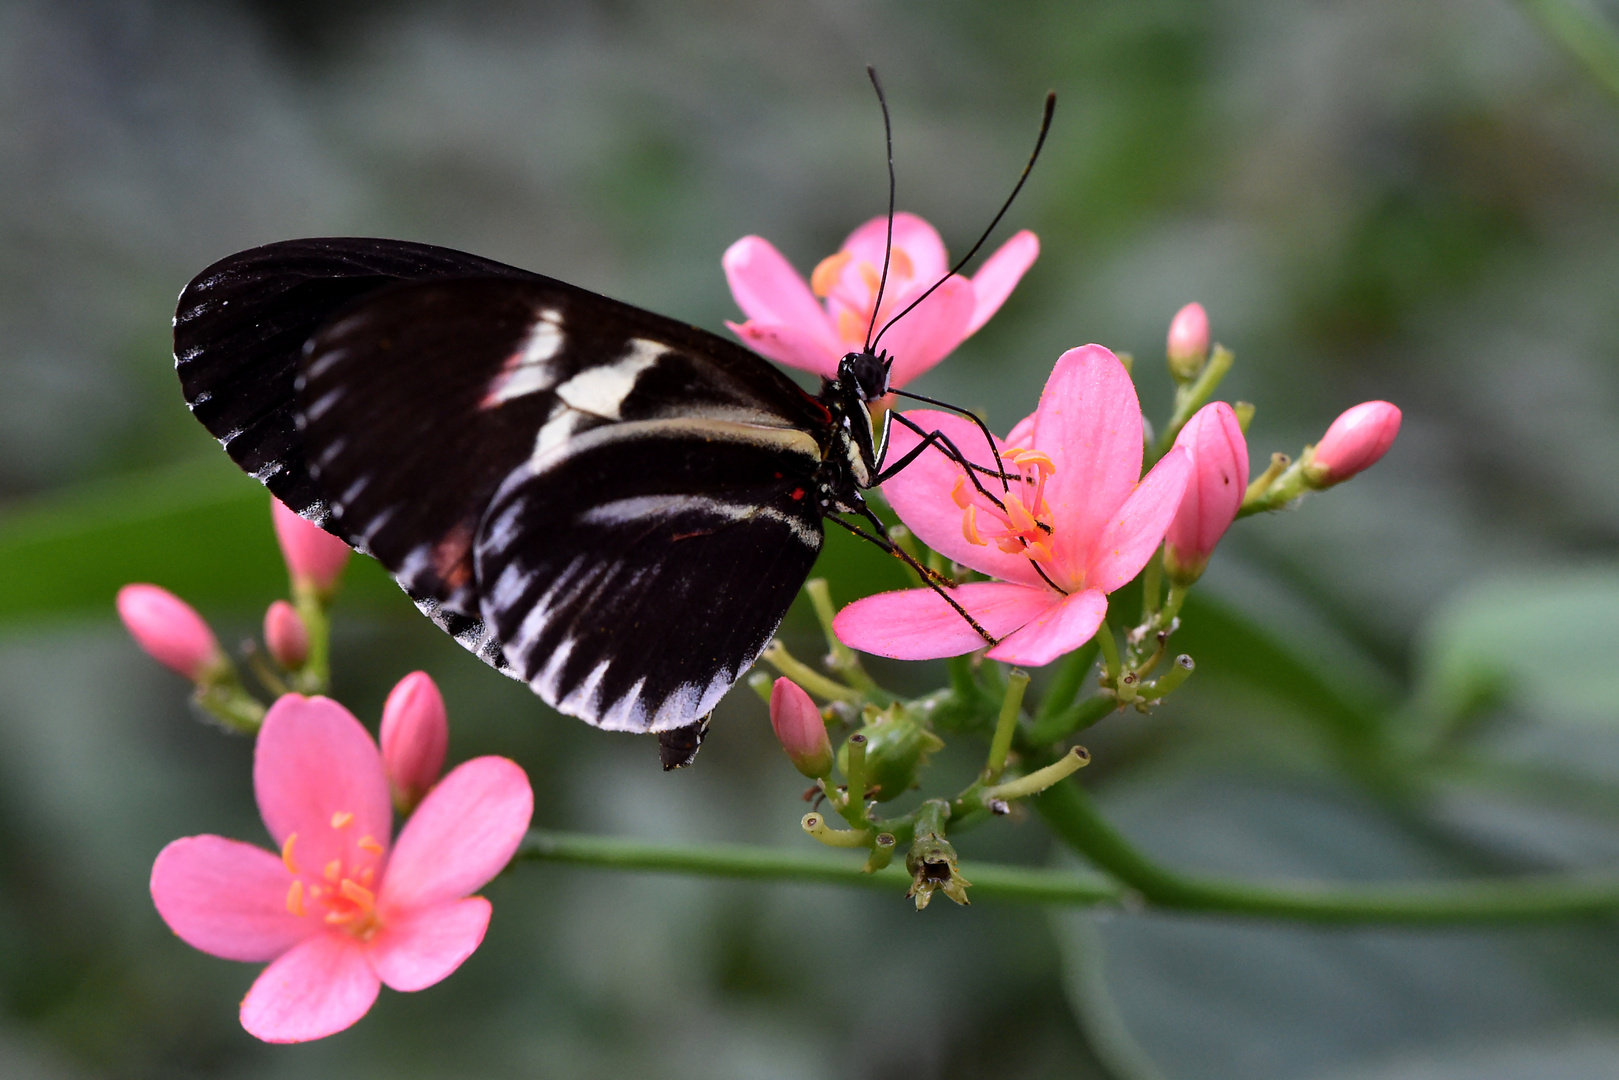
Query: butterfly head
x,y
866,373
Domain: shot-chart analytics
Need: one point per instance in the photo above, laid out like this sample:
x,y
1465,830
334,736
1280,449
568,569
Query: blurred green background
x,y
1416,201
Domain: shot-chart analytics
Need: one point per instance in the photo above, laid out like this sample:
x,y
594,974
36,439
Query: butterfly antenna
x,y
888,248
1045,126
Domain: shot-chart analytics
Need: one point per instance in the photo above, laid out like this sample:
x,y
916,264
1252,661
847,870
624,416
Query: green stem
x,y
1582,33
840,657
777,656
1072,815
1152,585
990,881
1110,653
1016,683
316,674
1190,398
1072,720
1065,687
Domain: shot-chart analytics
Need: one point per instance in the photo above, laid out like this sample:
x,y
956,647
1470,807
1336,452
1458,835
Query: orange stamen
x,y
959,494
369,844
286,854
337,918
366,874
969,526
868,274
295,898
850,328
827,272
333,869
341,819
902,265
353,890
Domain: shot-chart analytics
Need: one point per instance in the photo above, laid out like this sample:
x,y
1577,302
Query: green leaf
x,y
1544,641
200,529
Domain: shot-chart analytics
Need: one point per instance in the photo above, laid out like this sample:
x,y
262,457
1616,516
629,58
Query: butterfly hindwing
x,y
636,571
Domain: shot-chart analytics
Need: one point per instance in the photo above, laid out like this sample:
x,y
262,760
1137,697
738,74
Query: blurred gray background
x,y
1416,201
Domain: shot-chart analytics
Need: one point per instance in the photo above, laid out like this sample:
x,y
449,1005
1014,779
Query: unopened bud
x,y
415,737
1353,443
800,729
1188,342
1219,453
286,636
171,631
315,558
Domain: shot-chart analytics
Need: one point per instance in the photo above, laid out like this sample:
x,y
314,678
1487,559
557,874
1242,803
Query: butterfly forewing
x,y
635,572
240,328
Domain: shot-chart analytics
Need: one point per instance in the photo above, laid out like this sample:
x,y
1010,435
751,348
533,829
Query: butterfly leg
x,y
931,579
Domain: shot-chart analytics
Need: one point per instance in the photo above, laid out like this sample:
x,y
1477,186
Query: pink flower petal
x,y
919,240
929,332
920,494
999,275
1138,527
226,898
917,624
463,834
769,291
1219,479
1022,433
422,947
314,761
1055,632
314,557
317,989
169,629
789,345
1089,423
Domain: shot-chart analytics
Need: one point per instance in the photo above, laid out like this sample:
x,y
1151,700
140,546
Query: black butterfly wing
x,y
419,402
635,571
240,328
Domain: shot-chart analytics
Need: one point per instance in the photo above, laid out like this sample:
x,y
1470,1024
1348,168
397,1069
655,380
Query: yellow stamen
x,y
369,843
333,869
902,265
358,893
336,918
1018,516
286,854
868,274
366,874
295,898
341,819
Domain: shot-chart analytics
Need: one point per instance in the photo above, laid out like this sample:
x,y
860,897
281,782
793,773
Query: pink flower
x,y
336,913
1354,442
170,630
1219,480
1188,341
415,737
799,726
285,635
315,558
1079,463
788,325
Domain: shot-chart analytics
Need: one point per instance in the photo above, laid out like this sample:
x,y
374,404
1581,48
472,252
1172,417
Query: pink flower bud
x,y
800,728
415,736
286,636
1354,442
170,630
315,558
1188,341
1219,479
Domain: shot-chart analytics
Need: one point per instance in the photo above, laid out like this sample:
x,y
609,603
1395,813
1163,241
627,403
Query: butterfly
x,y
611,505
